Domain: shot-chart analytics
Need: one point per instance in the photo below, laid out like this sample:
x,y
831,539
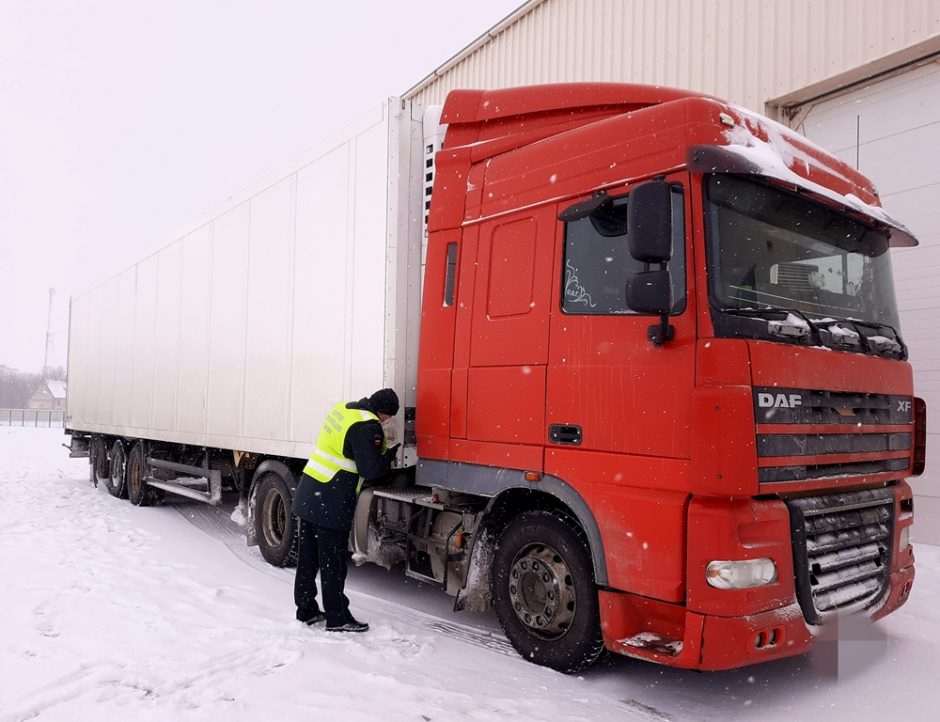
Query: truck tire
x,y
275,525
544,592
115,481
100,467
138,492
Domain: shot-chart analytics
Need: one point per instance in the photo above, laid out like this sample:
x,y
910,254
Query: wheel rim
x,y
273,518
541,591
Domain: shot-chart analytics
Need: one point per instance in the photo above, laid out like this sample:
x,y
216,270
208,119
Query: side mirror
x,y
650,292
649,238
649,222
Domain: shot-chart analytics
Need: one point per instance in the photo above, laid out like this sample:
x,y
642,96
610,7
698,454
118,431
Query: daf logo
x,y
779,401
904,406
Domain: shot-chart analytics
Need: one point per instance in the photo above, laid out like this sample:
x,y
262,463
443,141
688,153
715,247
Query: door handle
x,y
565,434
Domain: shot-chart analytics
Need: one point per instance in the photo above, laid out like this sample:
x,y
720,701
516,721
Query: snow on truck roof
x,y
750,144
762,147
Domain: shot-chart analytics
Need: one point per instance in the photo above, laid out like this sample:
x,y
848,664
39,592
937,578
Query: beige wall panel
x,y
746,51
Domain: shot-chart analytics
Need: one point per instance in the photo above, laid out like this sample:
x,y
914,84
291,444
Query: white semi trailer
x,y
240,333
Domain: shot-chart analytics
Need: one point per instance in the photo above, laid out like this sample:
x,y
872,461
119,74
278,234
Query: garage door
x,y
890,131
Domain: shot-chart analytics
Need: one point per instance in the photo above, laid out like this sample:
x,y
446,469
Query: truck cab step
x,y
418,495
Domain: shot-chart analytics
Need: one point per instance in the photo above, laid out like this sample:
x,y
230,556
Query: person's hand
x,y
391,453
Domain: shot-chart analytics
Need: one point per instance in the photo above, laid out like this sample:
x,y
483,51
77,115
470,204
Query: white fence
x,y
32,417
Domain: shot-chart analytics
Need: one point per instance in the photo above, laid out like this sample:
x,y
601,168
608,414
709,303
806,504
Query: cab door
x,y
618,406
501,348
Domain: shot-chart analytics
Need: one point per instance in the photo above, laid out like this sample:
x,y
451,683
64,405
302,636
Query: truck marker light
x,y
533,476
742,574
904,539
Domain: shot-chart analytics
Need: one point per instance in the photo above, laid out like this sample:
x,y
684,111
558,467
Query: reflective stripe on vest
x,y
328,457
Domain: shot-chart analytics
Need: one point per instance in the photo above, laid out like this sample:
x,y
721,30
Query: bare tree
x,y
16,387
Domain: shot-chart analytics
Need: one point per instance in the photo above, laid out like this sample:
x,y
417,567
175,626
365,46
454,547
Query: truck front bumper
x,y
900,584
671,635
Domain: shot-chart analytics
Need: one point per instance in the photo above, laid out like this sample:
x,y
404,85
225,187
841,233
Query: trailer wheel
x,y
114,482
275,525
138,492
100,467
544,592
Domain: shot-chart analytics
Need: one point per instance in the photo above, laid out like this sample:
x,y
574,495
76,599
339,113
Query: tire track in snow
x,y
217,523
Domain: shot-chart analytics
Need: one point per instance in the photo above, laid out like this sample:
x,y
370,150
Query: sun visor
x,y
757,161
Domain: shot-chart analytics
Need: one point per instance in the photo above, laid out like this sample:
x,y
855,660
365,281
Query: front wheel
x,y
275,525
544,592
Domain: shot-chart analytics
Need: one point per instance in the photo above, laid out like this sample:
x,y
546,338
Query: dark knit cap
x,y
384,401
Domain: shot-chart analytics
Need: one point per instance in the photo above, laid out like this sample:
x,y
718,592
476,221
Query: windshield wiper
x,y
842,333
847,334
882,344
793,324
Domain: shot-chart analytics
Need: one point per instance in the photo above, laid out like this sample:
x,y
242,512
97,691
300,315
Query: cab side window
x,y
598,265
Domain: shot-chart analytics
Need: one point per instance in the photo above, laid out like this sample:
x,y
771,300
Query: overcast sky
x,y
123,120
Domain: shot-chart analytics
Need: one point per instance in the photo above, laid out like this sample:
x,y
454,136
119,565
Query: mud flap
x,y
476,595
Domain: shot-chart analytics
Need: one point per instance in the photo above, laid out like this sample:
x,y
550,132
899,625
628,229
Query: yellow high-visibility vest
x,y
328,457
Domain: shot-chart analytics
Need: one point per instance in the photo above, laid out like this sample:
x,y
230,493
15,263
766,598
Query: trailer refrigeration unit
x,y
656,398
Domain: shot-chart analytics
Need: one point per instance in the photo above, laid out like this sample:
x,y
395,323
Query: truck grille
x,y
861,441
841,550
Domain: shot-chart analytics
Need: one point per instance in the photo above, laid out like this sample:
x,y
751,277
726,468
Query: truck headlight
x,y
904,539
742,574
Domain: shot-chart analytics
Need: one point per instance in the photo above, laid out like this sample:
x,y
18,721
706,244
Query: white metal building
x,y
859,77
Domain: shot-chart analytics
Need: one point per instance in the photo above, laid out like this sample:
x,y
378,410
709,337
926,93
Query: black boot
x,y
351,626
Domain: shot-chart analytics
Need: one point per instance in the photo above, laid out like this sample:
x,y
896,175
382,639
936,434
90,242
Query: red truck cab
x,y
670,323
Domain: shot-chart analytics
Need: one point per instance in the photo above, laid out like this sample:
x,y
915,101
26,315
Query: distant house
x,y
49,395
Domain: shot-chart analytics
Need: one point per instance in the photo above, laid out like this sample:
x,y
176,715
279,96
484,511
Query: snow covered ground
x,y
109,612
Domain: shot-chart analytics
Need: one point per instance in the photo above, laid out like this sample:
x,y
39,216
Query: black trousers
x,y
321,550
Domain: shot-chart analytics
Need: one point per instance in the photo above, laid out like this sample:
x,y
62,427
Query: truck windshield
x,y
773,250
